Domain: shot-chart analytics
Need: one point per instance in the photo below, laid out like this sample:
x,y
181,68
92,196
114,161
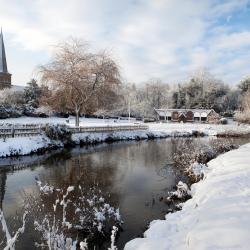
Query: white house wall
x,y
196,114
203,114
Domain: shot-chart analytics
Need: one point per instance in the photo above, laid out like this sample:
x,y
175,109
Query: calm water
x,y
136,174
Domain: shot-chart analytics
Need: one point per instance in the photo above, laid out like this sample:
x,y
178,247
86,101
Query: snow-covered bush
x,y
11,237
72,217
30,111
190,153
14,111
223,146
3,112
7,111
223,121
182,191
58,132
197,170
11,97
44,110
114,232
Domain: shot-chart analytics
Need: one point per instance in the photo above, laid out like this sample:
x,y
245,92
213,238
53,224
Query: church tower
x,y
5,76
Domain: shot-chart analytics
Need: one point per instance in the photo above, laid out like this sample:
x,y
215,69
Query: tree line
x,y
79,81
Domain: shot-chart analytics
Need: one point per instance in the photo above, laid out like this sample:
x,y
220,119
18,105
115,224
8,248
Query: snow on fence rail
x,y
26,131
108,128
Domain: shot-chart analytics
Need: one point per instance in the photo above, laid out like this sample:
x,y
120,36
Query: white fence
x,y
33,130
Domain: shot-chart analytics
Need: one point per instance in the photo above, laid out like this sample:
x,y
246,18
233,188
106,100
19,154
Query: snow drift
x,y
217,216
25,145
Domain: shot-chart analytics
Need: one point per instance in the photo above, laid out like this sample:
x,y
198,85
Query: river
x,y
135,174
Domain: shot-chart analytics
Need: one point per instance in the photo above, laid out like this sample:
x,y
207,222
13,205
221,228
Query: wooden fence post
x,y
13,131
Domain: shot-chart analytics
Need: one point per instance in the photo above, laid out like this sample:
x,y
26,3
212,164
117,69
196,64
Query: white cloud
x,y
232,41
164,38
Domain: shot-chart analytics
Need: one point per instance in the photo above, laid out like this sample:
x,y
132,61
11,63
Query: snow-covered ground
x,y
24,145
217,216
86,122
232,129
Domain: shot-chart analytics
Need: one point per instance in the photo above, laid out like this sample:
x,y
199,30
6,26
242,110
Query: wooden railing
x,y
108,128
20,131
28,130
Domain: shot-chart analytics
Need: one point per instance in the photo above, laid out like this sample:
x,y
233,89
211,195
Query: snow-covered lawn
x,y
85,122
207,129
217,216
232,128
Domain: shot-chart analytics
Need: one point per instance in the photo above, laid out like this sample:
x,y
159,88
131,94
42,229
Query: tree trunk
x,y
77,122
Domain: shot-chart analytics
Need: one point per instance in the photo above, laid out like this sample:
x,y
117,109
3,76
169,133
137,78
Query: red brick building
x,y
187,115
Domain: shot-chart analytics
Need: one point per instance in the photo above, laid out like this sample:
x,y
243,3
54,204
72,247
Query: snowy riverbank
x,y
26,145
217,216
34,144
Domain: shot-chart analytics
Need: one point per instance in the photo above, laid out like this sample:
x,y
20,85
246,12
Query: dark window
x,y
203,119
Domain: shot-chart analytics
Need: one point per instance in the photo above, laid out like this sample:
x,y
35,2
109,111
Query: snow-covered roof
x,y
163,112
17,88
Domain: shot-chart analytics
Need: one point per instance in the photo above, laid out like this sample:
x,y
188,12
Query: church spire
x,y
3,62
5,76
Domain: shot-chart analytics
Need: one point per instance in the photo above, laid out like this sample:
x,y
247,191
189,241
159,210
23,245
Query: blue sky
x,y
168,39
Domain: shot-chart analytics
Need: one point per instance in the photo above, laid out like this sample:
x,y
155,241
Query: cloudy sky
x,y
168,39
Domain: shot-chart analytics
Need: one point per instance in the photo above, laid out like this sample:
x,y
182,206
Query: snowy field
x,y
85,122
217,216
232,128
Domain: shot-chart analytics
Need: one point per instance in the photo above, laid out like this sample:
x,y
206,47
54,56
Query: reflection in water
x,y
135,174
3,178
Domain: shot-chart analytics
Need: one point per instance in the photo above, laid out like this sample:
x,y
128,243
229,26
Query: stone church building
x,y
5,76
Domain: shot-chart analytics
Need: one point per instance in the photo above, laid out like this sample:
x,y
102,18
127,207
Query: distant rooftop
x,y
162,112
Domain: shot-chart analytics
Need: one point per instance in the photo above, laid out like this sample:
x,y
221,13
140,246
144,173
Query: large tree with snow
x,y
244,85
32,93
202,90
78,78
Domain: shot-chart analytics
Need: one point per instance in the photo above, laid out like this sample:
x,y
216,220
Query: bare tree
x,y
244,115
246,101
77,77
140,100
157,92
